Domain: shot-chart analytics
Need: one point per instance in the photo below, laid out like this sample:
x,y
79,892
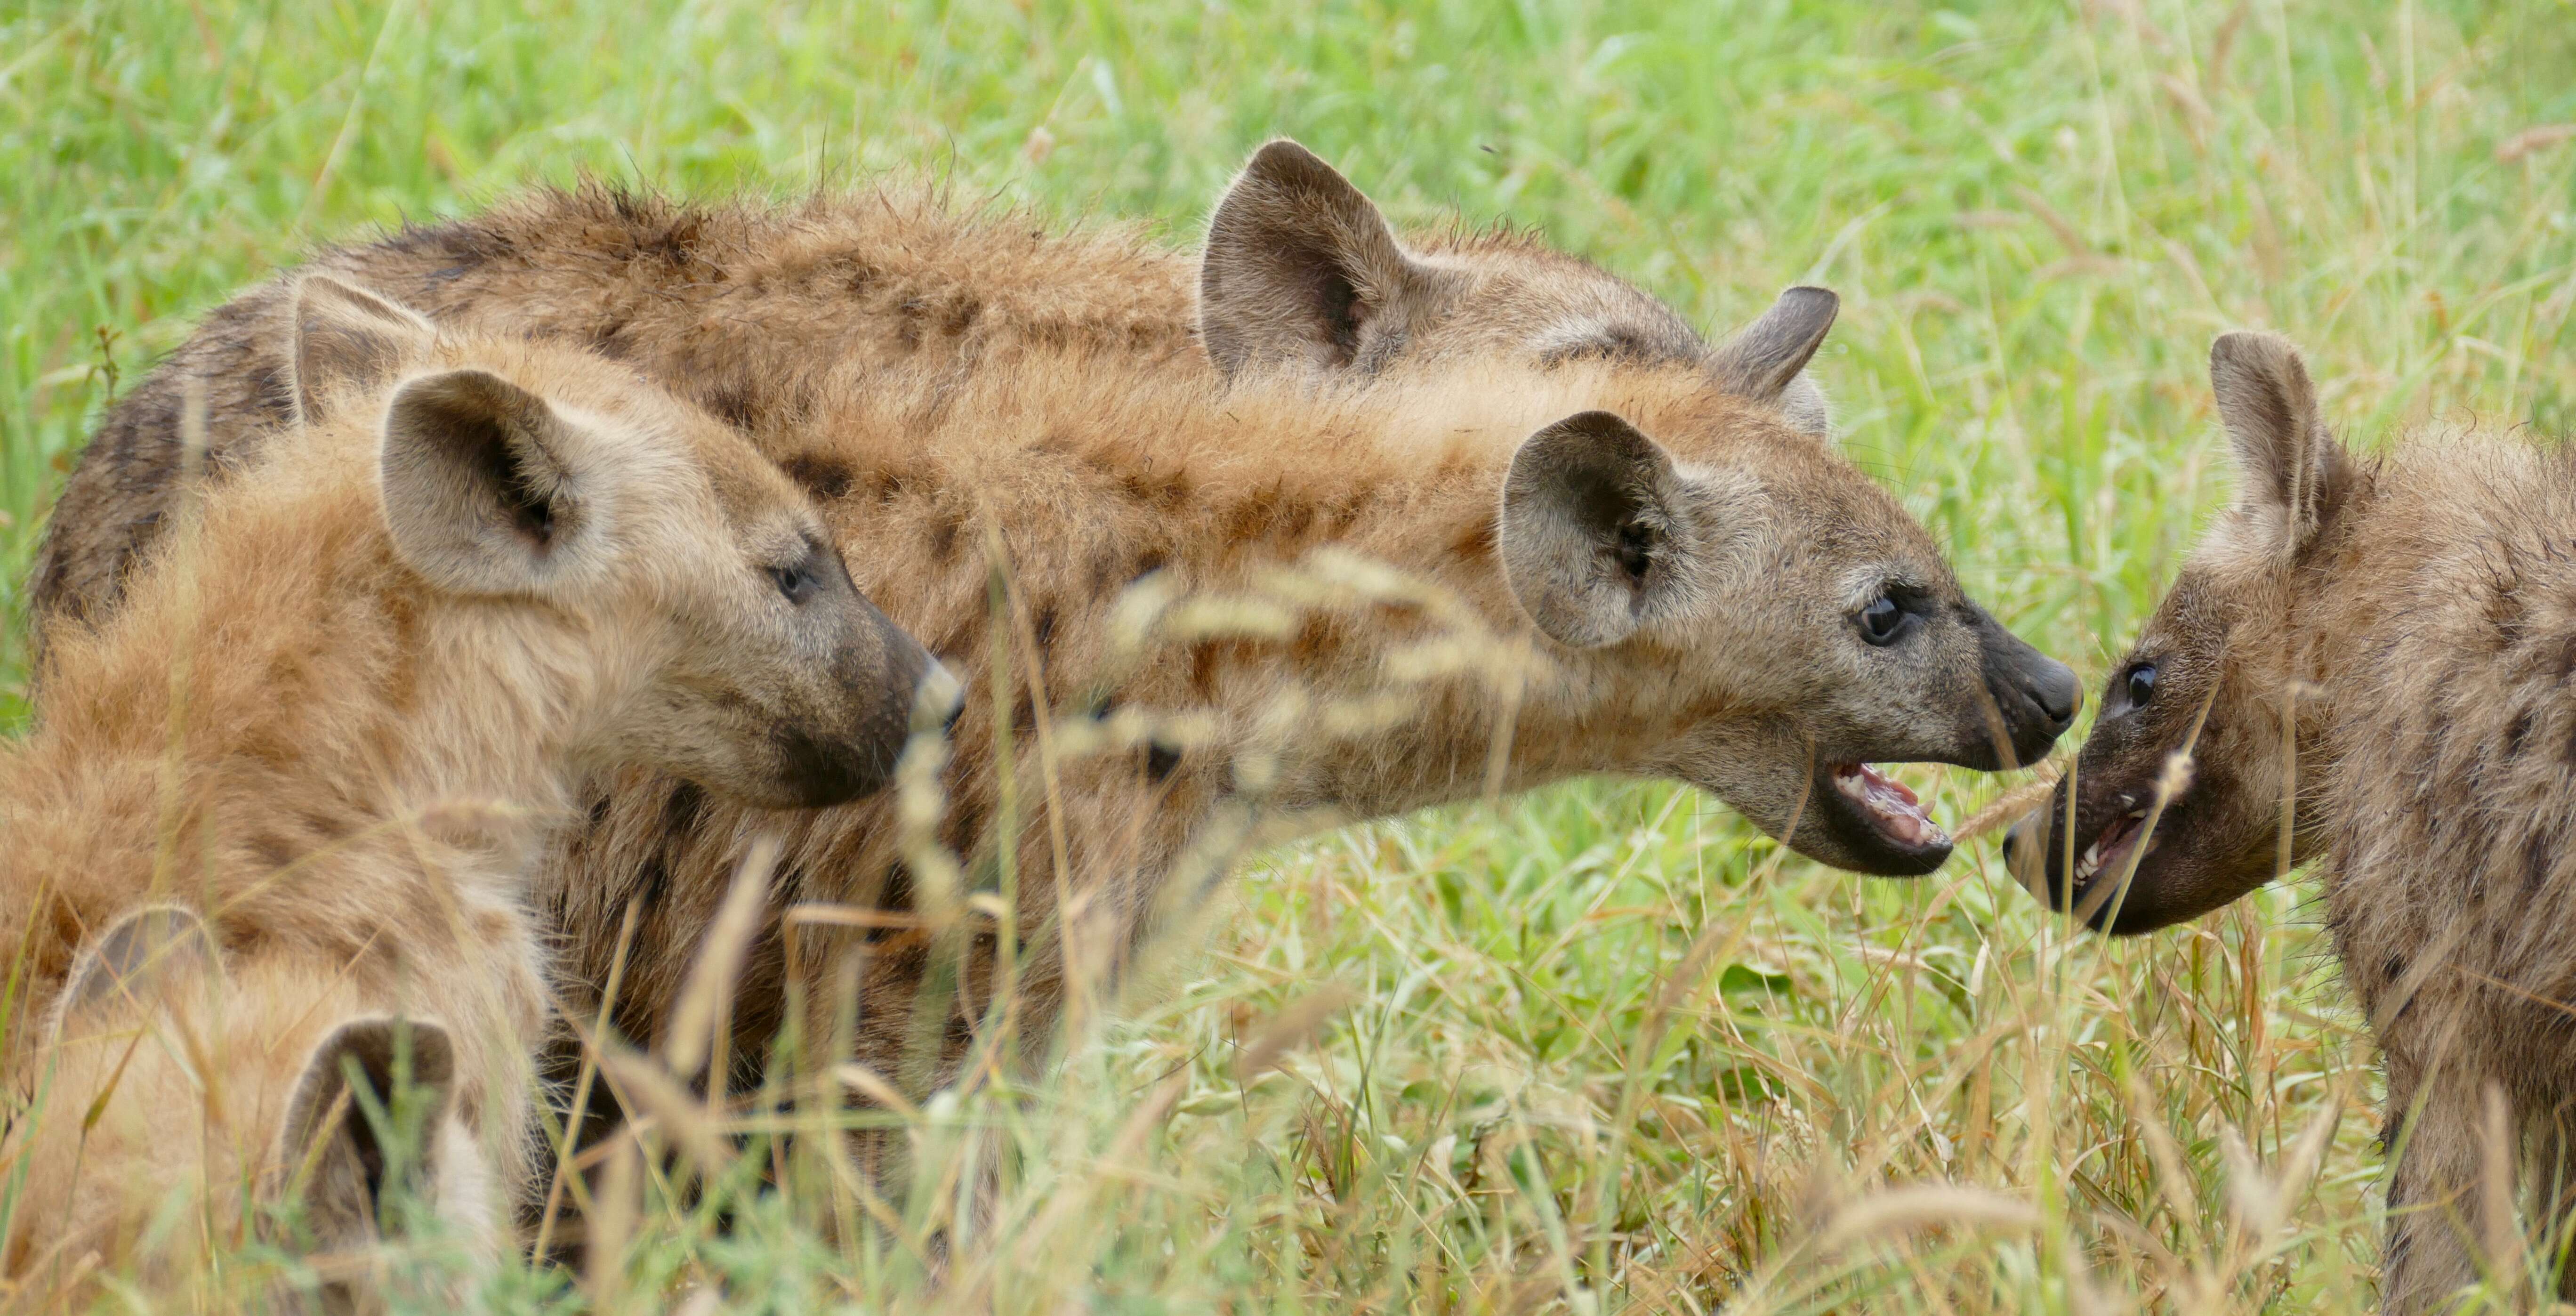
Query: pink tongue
x,y
1875,779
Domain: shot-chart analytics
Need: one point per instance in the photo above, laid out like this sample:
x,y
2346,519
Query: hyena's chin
x,y
1874,824
2115,852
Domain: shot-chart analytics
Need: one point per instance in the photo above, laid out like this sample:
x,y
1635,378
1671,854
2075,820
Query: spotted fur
x,y
293,790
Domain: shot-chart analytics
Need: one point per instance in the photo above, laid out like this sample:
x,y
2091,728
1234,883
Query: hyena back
x,y
745,308
275,820
2368,660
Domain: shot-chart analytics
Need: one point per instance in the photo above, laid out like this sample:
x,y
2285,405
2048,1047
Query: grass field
x,y
1603,1048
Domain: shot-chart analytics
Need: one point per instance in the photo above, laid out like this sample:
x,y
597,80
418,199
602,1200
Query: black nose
x,y
2053,691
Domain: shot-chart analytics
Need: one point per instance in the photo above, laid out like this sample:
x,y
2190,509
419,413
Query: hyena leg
x,y
2438,1203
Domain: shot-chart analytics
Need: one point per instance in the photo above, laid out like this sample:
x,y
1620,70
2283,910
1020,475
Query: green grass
x,y
2038,217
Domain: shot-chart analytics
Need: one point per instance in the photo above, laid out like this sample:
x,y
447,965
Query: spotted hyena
x,y
2366,664
281,813
1142,523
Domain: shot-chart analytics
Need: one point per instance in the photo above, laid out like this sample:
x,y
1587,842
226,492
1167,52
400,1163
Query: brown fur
x,y
343,719
2414,618
1714,546
744,308
1089,479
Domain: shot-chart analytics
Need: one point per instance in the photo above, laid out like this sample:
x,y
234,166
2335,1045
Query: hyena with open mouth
x,y
2367,663
1688,580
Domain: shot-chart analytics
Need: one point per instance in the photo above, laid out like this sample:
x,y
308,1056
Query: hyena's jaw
x,y
2129,866
1877,824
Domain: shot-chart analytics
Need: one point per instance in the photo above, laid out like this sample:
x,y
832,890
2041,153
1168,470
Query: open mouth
x,y
1887,806
2111,848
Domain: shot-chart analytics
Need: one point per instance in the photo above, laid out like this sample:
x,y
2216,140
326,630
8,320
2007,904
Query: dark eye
x,y
796,583
2141,684
1882,620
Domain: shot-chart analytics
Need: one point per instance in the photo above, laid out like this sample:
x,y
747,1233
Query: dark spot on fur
x,y
2535,861
274,851
963,828
943,539
1044,628
1316,636
681,811
1477,543
2516,734
961,316
1160,761
733,405
1147,564
1203,660
609,340
653,880
2394,969
1024,716
270,394
599,806
1165,491
960,1029
824,477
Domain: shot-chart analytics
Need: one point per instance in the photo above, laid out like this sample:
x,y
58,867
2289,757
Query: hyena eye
x,y
2141,684
1882,621
795,583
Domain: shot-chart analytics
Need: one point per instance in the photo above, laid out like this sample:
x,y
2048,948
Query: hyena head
x,y
2181,788
1806,624
1301,268
345,1130
522,473
1776,586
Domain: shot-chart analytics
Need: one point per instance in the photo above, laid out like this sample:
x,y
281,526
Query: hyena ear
x,y
347,338
481,488
1298,263
2292,470
1764,362
365,1118
135,956
1591,532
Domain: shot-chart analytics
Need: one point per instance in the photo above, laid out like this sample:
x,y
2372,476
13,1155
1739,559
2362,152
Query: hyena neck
x,y
344,699
2332,604
1384,668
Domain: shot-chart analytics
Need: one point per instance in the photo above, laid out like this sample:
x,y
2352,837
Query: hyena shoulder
x,y
736,306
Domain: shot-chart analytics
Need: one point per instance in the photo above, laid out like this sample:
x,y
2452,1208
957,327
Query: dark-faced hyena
x,y
2368,663
1652,550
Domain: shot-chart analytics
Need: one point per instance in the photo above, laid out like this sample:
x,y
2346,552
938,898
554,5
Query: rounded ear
x,y
347,338
2293,473
480,490
363,1119
134,956
1297,261
1590,534
1763,362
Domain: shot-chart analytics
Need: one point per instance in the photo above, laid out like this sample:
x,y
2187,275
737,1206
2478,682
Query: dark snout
x,y
897,688
2033,698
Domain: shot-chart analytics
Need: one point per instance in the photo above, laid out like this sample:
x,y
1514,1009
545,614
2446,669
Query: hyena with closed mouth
x,y
2368,665
282,810
1706,590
